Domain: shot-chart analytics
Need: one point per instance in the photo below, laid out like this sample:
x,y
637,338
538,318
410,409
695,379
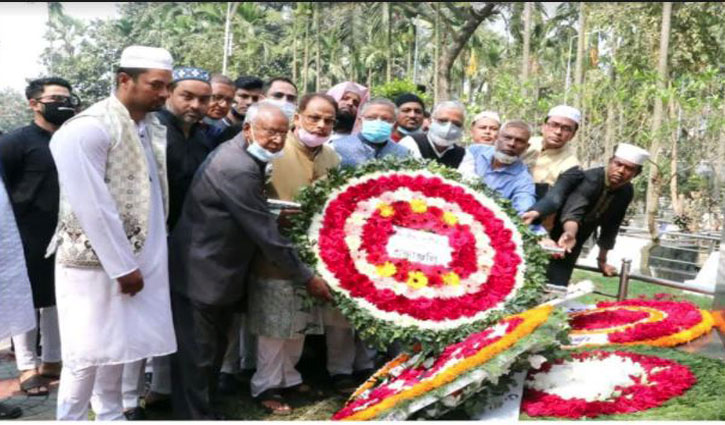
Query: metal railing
x,y
625,276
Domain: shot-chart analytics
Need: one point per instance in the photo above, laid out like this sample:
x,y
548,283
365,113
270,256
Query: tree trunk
x,y
527,44
318,70
677,204
388,42
719,163
654,186
436,53
294,50
579,67
610,130
454,45
306,55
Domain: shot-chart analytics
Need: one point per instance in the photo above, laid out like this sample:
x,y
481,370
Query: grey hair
x,y
256,108
449,104
221,79
379,101
517,124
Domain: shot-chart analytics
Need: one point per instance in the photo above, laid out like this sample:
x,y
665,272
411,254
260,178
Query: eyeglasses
x,y
314,119
71,100
279,95
218,98
563,128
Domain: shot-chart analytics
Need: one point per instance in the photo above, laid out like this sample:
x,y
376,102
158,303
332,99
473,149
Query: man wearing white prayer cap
x,y
599,201
484,128
112,283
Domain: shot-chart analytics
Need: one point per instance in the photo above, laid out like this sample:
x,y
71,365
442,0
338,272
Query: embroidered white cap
x,y
487,114
631,153
147,58
566,111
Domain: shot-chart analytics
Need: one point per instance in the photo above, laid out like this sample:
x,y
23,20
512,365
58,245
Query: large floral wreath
x,y
409,383
629,383
662,323
415,254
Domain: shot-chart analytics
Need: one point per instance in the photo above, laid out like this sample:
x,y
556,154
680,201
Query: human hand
x,y
131,283
567,241
283,220
606,269
317,287
551,247
530,216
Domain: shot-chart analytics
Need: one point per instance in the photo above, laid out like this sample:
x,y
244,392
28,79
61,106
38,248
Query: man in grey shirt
x,y
224,223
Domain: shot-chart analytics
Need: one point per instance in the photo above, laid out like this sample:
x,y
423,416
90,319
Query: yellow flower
x,y
418,206
386,270
417,280
452,279
449,218
386,210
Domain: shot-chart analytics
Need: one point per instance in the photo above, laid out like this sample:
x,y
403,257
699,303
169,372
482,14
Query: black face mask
x,y
57,113
345,122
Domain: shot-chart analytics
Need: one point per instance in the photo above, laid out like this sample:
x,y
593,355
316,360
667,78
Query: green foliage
x,y
395,88
14,110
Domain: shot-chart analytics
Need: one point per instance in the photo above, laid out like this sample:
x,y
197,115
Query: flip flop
x,y
9,412
34,382
282,409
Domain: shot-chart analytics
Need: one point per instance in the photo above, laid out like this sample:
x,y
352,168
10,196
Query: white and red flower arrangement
x,y
415,254
597,383
662,323
410,383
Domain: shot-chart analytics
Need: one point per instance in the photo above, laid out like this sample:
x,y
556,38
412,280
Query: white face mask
x,y
288,108
444,134
504,158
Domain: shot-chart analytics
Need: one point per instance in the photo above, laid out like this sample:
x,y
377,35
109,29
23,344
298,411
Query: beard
x,y
504,158
345,122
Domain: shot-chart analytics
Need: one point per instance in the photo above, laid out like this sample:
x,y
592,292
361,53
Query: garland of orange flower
x,y
631,322
528,321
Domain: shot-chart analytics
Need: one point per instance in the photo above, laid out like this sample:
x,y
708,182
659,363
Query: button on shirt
x,y
512,181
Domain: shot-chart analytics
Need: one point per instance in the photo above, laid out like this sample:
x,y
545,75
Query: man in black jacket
x,y
599,201
223,225
32,183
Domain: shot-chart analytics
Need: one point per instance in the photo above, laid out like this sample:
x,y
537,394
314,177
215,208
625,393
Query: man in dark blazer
x,y
224,223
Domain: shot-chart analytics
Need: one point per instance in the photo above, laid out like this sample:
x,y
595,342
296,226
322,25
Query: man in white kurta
x,y
102,325
17,314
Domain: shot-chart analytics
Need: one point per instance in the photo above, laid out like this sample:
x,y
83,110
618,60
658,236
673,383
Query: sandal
x,y
34,386
304,390
278,405
9,412
50,370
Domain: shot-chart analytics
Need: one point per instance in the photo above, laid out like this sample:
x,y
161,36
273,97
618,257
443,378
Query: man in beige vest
x,y
276,314
112,283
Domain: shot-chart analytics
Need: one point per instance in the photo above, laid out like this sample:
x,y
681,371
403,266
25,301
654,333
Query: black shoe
x,y
344,384
135,414
9,412
228,384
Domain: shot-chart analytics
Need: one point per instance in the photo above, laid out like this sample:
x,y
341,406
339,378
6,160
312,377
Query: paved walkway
x,y
34,408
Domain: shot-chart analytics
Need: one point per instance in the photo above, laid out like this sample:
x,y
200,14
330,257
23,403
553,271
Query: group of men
x,y
153,207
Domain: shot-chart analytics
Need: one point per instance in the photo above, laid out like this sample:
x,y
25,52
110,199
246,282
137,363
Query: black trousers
x,y
201,338
560,270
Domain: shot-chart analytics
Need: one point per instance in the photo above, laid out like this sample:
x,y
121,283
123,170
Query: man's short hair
x,y
248,82
306,99
379,101
271,81
36,87
131,72
446,104
254,109
520,124
221,79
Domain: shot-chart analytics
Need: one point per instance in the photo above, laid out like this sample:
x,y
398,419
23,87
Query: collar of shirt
x,y
435,148
377,146
40,130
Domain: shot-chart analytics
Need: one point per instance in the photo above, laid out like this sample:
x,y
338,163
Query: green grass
x,y
610,285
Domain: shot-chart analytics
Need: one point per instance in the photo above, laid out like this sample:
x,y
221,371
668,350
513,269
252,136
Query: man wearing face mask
x,y
32,183
276,313
282,92
440,143
409,117
377,118
225,223
500,168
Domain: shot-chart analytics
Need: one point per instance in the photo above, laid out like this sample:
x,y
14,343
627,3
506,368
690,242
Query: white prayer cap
x,y
147,58
566,111
487,114
631,153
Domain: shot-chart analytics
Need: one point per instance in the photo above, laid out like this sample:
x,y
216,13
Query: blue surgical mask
x,y
407,132
261,153
376,131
